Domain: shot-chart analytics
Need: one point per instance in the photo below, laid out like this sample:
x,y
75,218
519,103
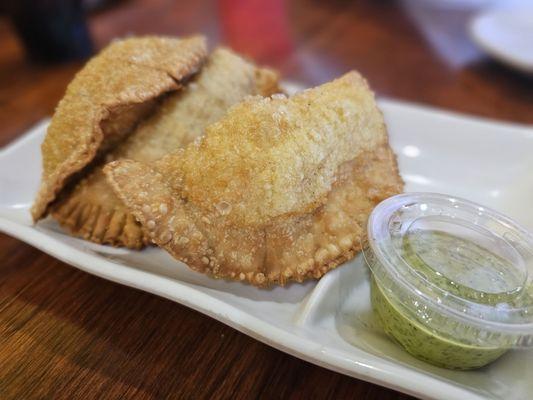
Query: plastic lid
x,y
462,269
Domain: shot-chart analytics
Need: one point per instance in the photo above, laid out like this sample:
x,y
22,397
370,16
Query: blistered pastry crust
x,y
250,234
105,101
180,118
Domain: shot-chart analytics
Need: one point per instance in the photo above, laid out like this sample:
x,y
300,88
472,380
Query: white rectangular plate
x,y
330,322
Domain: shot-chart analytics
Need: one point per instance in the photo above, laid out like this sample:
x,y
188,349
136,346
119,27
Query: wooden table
x,y
66,334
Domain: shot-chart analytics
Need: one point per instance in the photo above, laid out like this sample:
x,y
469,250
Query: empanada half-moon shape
x,y
93,211
278,190
106,99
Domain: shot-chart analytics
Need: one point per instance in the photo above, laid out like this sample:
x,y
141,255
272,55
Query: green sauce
x,y
424,344
463,269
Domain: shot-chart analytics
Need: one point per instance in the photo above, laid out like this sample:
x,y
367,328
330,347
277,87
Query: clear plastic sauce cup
x,y
452,281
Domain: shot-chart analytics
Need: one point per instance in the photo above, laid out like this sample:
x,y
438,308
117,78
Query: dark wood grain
x,y
66,334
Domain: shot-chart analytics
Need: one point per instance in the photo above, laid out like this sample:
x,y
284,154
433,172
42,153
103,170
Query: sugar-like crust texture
x,y
278,190
91,210
106,99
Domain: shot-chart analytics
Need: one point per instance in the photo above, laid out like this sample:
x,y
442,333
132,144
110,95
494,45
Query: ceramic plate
x,y
507,35
328,323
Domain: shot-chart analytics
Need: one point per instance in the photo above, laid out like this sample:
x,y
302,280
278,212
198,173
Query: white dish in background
x,y
459,5
507,35
328,323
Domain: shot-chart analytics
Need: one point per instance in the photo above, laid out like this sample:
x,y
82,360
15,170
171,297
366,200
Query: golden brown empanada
x,y
277,190
92,210
106,99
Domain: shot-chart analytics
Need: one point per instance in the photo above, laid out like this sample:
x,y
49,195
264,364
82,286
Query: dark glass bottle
x,y
51,30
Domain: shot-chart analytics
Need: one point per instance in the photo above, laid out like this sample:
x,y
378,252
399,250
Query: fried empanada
x,y
106,99
92,210
277,190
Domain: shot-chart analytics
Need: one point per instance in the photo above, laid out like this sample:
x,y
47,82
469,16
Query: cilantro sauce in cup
x,y
452,281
